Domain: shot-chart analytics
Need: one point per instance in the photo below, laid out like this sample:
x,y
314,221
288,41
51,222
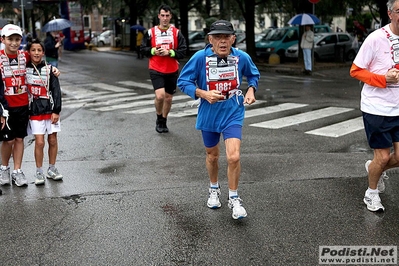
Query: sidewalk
x,y
291,68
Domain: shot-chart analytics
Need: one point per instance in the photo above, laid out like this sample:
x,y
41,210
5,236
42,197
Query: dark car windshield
x,y
276,34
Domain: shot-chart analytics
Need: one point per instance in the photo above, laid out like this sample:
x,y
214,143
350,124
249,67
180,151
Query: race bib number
x,y
15,82
222,75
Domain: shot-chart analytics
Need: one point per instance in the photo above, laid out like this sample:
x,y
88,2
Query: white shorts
x,y
41,127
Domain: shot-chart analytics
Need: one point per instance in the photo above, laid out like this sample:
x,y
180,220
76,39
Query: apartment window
x,y
86,22
106,22
198,24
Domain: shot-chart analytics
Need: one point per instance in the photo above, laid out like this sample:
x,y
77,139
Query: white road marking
x,y
137,84
301,118
272,109
132,104
339,129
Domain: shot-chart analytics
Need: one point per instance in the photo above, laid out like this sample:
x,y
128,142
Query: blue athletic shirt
x,y
196,74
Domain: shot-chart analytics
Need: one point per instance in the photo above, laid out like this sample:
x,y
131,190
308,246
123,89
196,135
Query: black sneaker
x,y
159,124
159,127
165,129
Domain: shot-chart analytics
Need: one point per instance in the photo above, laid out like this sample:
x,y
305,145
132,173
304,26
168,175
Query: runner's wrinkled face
x,y
36,53
222,43
394,16
164,18
12,43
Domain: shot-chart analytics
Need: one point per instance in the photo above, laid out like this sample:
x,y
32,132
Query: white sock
x,y
233,193
369,190
214,185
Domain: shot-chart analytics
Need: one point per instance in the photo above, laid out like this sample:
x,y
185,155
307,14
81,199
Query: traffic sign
x,y
314,1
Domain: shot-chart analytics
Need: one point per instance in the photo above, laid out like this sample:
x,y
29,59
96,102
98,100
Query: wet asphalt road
x,y
131,196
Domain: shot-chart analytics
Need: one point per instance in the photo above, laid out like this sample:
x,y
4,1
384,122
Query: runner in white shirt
x,y
377,65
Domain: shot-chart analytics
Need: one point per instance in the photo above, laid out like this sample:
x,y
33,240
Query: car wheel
x,y
350,56
100,44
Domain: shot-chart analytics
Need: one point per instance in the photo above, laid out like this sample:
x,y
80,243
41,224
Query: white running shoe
x,y
213,198
39,178
373,202
19,179
54,174
5,178
380,184
235,203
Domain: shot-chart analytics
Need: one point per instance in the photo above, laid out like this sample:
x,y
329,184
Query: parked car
x,y
196,40
198,45
278,40
88,37
242,44
104,38
327,45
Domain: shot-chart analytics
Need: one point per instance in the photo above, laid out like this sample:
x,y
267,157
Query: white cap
x,y
11,29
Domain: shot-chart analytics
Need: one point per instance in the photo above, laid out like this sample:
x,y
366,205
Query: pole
x,y
23,15
313,42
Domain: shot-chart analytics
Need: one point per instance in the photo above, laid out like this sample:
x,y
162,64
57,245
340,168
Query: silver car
x,y
329,46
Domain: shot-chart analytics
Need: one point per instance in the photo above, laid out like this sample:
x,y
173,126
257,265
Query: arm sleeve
x,y
251,72
309,36
180,52
189,78
368,77
55,90
145,47
3,101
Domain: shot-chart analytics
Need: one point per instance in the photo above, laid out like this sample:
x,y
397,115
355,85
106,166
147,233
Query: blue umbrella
x,y
137,27
57,25
304,19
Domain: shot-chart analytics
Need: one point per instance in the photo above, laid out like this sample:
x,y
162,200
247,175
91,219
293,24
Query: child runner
x,y
13,67
44,109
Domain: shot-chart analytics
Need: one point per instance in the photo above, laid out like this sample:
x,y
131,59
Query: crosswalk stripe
x,y
301,118
132,104
273,109
136,84
339,129
194,110
108,87
152,109
112,100
97,96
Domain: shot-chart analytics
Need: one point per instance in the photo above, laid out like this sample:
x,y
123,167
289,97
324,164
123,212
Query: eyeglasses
x,y
219,37
395,11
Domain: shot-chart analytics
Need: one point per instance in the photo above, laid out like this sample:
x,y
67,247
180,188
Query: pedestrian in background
x,y
139,39
376,64
164,44
60,37
51,45
44,110
307,46
214,75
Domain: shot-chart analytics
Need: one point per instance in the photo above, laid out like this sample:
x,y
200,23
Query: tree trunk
x,y
250,27
133,20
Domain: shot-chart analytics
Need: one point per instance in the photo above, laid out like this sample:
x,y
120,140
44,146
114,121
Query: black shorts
x,y
161,80
381,131
18,120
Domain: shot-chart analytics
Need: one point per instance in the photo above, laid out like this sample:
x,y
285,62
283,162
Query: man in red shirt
x,y
164,44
